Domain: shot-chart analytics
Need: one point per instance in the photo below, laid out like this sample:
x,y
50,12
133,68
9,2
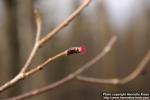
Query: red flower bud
x,y
81,49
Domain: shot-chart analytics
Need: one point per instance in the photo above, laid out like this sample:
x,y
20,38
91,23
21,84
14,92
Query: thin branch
x,y
38,24
30,58
11,82
116,81
36,44
64,23
137,71
70,77
93,80
40,42
41,66
24,75
67,52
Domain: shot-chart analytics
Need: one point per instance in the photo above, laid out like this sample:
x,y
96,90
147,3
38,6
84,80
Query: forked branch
x,y
20,76
40,42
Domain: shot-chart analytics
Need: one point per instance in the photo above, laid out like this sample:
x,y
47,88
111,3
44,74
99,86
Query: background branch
x,y
116,81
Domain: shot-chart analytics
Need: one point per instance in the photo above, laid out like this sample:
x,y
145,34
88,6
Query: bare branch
x,y
93,80
40,42
38,24
71,76
29,60
41,66
24,75
137,71
116,81
11,82
64,23
36,44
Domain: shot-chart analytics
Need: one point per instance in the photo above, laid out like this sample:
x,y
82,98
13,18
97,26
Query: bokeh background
x,y
128,19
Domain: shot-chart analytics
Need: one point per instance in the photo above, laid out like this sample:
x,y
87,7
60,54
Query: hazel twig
x,y
69,51
29,60
40,42
36,44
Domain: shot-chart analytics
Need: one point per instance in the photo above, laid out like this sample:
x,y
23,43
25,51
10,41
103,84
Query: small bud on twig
x,y
81,49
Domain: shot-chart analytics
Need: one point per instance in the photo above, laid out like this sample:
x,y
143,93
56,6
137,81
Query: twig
x,y
29,60
116,81
41,66
38,23
40,42
70,77
36,44
65,23
137,71
24,75
93,80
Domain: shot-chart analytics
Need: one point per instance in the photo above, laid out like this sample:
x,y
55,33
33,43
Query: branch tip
x,y
72,50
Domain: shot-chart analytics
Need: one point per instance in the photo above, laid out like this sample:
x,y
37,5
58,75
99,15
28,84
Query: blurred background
x,y
128,19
